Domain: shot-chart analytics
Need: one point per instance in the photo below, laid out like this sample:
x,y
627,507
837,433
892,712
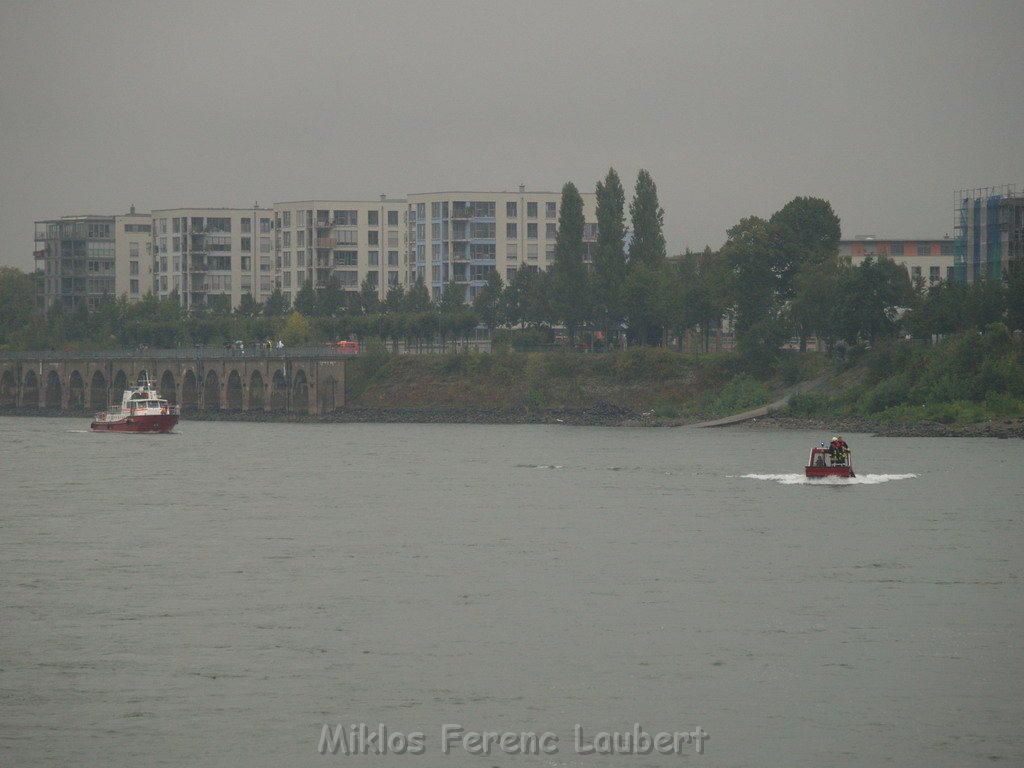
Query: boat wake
x,y
799,479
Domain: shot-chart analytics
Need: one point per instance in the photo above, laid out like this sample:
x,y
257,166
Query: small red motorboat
x,y
141,410
821,464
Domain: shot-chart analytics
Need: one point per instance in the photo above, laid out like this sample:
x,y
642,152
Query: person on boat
x,y
838,451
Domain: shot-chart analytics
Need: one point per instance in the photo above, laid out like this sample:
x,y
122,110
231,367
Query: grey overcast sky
x,y
883,107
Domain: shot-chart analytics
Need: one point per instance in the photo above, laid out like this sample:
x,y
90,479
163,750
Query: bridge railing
x,y
179,353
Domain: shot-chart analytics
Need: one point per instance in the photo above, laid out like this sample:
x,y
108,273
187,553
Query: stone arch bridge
x,y
302,380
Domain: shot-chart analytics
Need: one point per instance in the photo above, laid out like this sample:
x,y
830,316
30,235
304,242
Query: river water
x,y
215,597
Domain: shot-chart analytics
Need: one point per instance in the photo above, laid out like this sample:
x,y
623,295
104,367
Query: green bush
x,y
742,393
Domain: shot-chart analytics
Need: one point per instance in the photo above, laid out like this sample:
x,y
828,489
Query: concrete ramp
x,y
756,413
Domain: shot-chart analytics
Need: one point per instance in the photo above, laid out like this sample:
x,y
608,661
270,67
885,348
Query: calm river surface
x,y
216,596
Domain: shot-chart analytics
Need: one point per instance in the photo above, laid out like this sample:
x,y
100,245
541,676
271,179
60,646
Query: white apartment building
x,y
133,255
463,236
213,256
353,241
929,261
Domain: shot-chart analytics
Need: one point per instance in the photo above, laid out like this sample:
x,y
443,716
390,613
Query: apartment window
x,y
897,249
549,252
286,218
372,218
435,231
348,278
133,250
286,259
512,252
392,218
392,279
346,218
531,210
549,231
300,258
510,210
549,210
346,236
246,226
915,273
246,263
346,258
511,230
392,258
531,252
371,279
510,274
300,278
133,268
265,225
393,238
946,249
133,286
531,231
265,245
421,210
246,244
286,279
933,274
482,230
373,237
373,258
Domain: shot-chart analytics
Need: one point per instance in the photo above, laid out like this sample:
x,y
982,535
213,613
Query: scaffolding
x,y
988,231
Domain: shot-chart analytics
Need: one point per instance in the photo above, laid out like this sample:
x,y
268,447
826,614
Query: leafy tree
x,y
248,306
276,305
369,298
568,272
648,219
804,234
703,294
297,330
647,300
331,300
868,299
815,292
1015,295
418,298
609,254
453,298
305,300
395,298
751,281
17,301
487,303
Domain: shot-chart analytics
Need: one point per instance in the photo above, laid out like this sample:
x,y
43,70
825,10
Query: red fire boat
x,y
821,465
141,410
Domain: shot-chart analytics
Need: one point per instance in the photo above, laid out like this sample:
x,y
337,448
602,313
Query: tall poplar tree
x,y
609,254
648,219
568,272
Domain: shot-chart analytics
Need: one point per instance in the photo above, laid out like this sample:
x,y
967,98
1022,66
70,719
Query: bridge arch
x,y
30,390
211,392
54,390
300,392
279,391
98,391
118,385
76,392
8,389
233,393
189,391
168,389
256,391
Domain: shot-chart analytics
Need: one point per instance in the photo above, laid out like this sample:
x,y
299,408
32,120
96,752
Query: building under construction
x,y
989,227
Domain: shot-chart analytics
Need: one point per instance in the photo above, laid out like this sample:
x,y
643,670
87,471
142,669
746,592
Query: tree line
x,y
772,280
